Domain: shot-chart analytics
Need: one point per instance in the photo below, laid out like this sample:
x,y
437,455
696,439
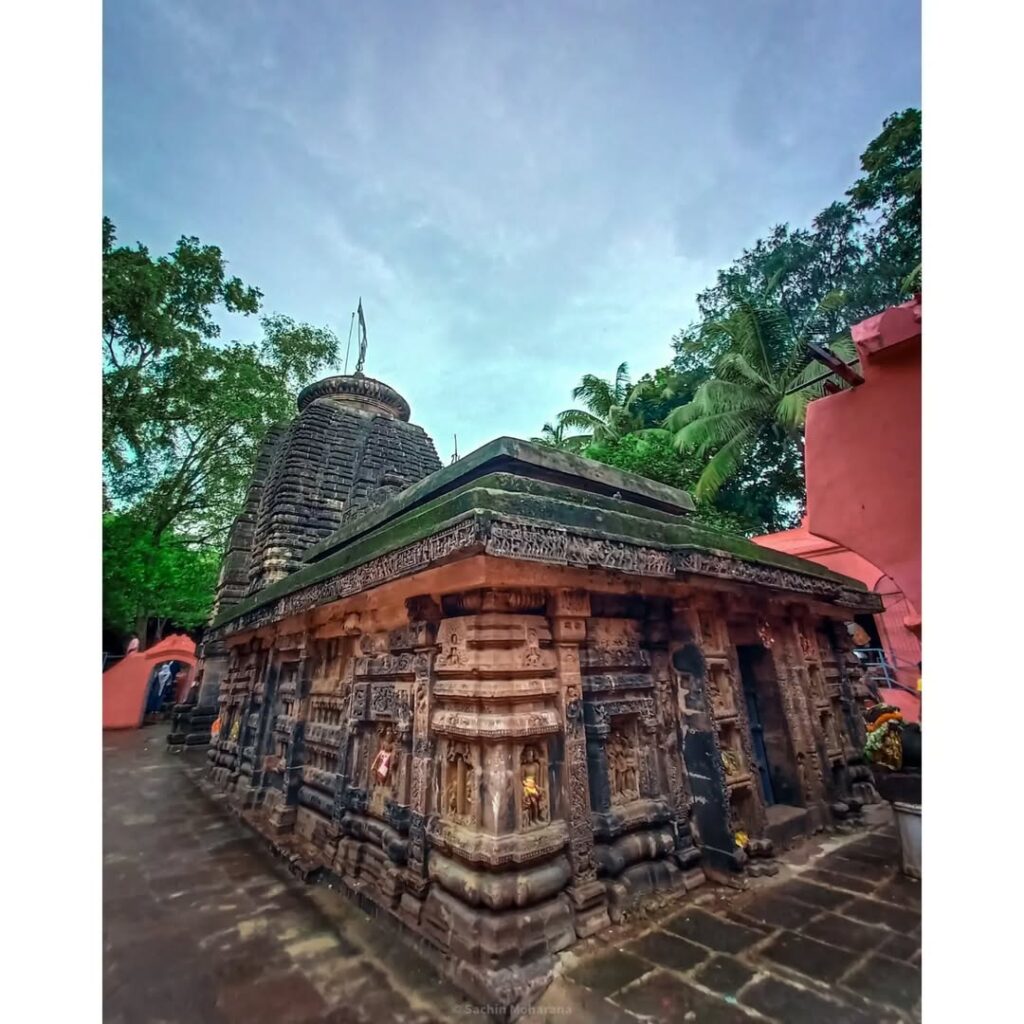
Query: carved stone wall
x,y
233,583
505,769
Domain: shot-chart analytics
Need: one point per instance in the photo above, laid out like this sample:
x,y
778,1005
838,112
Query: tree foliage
x,y
890,187
170,580
612,409
758,392
861,254
183,412
651,454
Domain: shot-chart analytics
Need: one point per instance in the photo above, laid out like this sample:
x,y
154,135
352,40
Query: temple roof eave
x,y
507,516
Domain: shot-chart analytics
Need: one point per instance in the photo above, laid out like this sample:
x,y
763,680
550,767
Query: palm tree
x,y
612,408
759,391
555,437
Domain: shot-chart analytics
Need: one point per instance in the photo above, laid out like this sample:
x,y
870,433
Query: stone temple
x,y
500,700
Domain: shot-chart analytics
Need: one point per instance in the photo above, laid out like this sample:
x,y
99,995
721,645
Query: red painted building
x,y
863,467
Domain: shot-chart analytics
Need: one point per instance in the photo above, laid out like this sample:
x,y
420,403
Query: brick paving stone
x,y
855,868
816,959
878,843
887,981
900,947
778,913
713,932
563,1000
875,912
847,882
607,974
668,998
842,931
245,962
668,950
281,998
724,974
902,890
874,856
792,1005
809,892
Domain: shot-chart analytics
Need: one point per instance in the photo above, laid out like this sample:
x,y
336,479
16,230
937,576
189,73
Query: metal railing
x,y
880,672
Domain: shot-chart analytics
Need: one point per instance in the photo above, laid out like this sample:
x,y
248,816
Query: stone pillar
x,y
699,743
568,611
424,615
257,729
283,817
657,629
795,706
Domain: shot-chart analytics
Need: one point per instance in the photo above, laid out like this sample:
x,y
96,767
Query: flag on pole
x,y
362,337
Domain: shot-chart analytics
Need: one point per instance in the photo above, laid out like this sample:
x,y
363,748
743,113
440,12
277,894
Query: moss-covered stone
x,y
524,460
519,498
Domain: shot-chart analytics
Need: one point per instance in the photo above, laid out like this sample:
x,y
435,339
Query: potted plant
x,y
893,749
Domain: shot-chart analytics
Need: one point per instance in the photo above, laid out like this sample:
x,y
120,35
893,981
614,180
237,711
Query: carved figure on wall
x,y
236,729
765,634
383,763
805,645
707,631
719,690
453,653
622,768
814,677
532,656
534,811
732,763
458,784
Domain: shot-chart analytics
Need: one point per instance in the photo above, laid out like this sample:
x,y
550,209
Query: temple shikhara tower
x,y
500,700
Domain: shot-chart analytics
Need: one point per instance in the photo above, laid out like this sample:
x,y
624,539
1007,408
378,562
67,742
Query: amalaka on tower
x,y
502,699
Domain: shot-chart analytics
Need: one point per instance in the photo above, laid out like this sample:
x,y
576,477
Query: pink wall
x,y
125,684
863,454
902,647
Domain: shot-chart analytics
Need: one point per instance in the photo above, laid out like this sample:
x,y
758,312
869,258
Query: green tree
x,y
652,454
758,395
890,189
858,256
153,309
612,408
867,248
557,437
171,581
184,413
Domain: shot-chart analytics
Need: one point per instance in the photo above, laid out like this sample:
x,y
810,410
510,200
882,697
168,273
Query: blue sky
x,y
521,192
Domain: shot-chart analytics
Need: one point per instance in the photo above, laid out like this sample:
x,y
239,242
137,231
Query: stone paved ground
x,y
835,937
201,925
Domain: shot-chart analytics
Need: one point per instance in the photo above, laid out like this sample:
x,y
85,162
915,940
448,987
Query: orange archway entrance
x,y
126,684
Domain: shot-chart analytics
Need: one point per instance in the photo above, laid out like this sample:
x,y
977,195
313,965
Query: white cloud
x,y
521,193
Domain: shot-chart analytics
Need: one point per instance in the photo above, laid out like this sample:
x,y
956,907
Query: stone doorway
x,y
769,735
